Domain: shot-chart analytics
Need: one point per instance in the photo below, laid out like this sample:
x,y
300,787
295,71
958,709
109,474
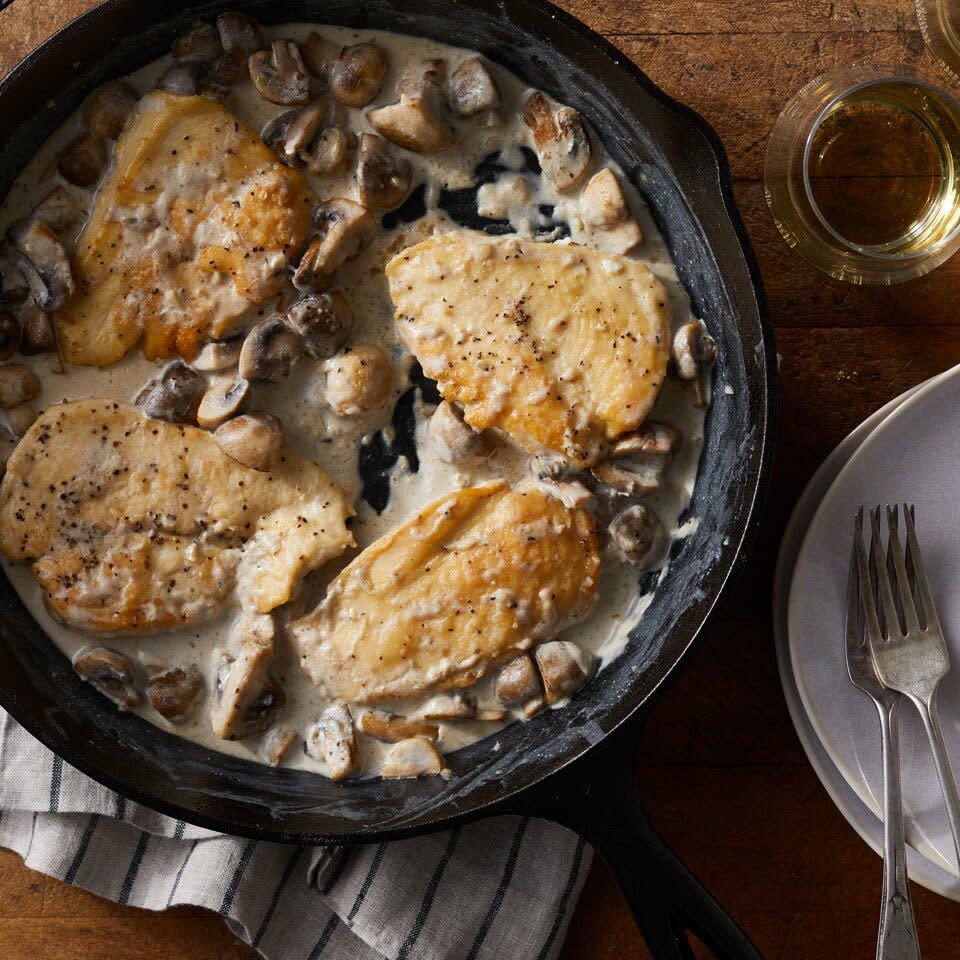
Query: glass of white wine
x,y
939,24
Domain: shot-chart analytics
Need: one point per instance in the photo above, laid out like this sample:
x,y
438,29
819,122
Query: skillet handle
x,y
597,796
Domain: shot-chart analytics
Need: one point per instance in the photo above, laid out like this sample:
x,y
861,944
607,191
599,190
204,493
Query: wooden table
x,y
724,777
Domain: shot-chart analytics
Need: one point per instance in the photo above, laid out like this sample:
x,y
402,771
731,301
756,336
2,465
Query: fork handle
x,y
898,931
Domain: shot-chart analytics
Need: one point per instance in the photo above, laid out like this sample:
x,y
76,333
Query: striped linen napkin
x,y
504,888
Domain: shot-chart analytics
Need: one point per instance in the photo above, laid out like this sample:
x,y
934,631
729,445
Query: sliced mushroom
x,y
572,493
173,692
383,178
174,396
415,757
277,744
199,45
318,53
551,468
225,398
21,418
109,672
8,443
182,78
359,380
38,335
332,740
450,706
239,37
44,263
18,384
331,152
453,440
107,109
562,145
394,728
471,89
629,480
15,287
59,210
518,685
344,228
653,444
302,130
83,161
279,73
253,439
9,335
639,534
274,134
323,320
604,207
356,76
270,350
694,354
416,121
218,355
564,668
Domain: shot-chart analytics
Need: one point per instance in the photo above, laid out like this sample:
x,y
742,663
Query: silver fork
x,y
911,655
897,938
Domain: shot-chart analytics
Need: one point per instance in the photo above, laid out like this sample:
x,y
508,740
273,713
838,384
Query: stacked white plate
x,y
908,451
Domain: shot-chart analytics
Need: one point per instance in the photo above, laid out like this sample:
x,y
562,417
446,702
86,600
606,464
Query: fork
x,y
910,654
897,938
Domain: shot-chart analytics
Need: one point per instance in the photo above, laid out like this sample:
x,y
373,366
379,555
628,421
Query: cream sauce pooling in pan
x,y
515,196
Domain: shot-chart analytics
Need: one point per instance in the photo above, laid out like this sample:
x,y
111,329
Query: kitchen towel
x,y
500,889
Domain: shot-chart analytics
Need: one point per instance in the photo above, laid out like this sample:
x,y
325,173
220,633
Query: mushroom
x,y
344,228
274,133
174,396
9,335
182,78
217,355
21,418
107,109
518,685
359,380
356,76
277,744
59,210
694,353
200,45
323,320
270,350
394,728
331,152
572,493
415,757
44,263
301,131
279,73
239,37
555,469
416,120
14,287
562,145
332,739
639,534
471,89
651,445
225,398
83,161
450,706
564,668
38,335
173,692
8,443
629,480
318,52
453,440
604,208
383,178
18,384
253,439
109,672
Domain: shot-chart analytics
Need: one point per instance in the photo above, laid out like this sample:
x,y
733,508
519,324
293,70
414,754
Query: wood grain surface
x,y
724,777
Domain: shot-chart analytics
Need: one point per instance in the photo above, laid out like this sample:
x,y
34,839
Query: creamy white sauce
x,y
333,441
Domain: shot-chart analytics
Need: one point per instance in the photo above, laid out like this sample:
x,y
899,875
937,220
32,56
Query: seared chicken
x,y
136,525
558,345
194,224
475,577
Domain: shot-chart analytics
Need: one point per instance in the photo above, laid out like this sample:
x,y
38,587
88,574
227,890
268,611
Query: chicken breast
x,y
194,224
559,345
135,525
437,603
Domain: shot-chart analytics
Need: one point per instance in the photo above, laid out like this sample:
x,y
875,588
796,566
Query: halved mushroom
x,y
83,161
416,121
302,130
694,353
471,89
59,210
344,228
174,691
564,668
253,439
628,479
323,320
274,133
639,534
239,37
174,396
604,208
199,45
44,263
8,443
415,757
518,685
109,672
9,335
393,728
225,398
18,384
653,444
383,178
218,355
450,706
38,335
277,744
108,107
359,380
332,740
562,145
318,53
14,287
182,78
356,76
21,418
331,152
279,73
270,350
453,440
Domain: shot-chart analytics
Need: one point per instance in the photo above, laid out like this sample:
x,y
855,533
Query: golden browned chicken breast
x,y
559,345
134,524
193,225
441,600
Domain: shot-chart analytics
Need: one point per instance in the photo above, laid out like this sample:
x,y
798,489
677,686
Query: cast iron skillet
x,y
678,163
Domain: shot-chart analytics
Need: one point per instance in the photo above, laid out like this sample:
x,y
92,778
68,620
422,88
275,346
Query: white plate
x,y
847,760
